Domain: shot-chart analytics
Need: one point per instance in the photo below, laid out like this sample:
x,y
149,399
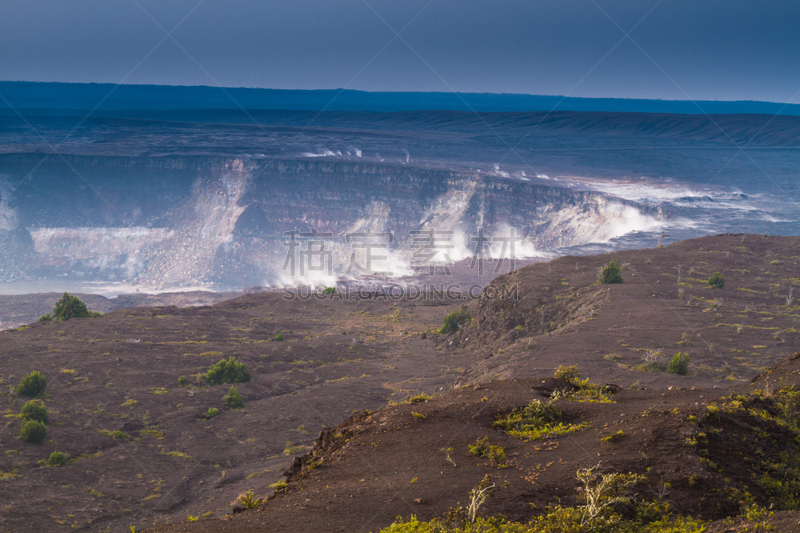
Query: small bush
x,y
535,421
567,373
611,273
482,448
183,381
613,437
32,385
716,281
116,434
249,501
71,307
279,337
45,318
453,320
329,290
230,371
212,412
233,400
56,459
33,431
34,410
679,364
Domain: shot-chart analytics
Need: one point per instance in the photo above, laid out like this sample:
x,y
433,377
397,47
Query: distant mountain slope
x,y
107,96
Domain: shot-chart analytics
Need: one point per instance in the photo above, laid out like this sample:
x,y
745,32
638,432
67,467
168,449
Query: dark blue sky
x,y
682,49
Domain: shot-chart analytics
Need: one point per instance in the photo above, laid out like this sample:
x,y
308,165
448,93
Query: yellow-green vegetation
x,y
35,410
679,364
248,500
453,320
764,427
151,433
177,454
56,459
129,403
482,448
71,307
419,398
158,390
33,431
583,390
291,449
230,371
601,498
116,434
233,400
280,486
613,437
32,385
716,281
212,412
418,415
655,361
611,273
535,421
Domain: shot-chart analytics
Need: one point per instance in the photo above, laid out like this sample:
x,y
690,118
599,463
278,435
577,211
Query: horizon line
x,y
340,89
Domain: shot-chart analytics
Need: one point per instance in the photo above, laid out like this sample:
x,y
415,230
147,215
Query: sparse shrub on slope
x,y
611,273
453,320
679,364
32,385
233,399
716,281
72,307
602,497
212,412
56,459
34,410
230,371
33,431
535,421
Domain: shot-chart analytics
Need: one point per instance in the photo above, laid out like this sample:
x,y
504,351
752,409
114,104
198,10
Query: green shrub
x,y
32,385
230,371
613,437
56,459
71,307
535,421
45,318
33,431
212,412
183,381
116,434
329,290
279,337
482,448
611,273
679,364
567,373
233,400
454,319
716,281
34,410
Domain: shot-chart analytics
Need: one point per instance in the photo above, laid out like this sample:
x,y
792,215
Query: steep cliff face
x,y
176,222
16,242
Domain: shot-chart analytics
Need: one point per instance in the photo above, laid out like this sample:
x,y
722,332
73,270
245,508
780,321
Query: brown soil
x,y
179,463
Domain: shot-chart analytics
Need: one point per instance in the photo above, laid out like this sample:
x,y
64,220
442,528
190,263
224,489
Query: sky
x,y
663,49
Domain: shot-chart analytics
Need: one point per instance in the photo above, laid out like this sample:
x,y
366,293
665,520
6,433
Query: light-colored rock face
x,y
227,226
